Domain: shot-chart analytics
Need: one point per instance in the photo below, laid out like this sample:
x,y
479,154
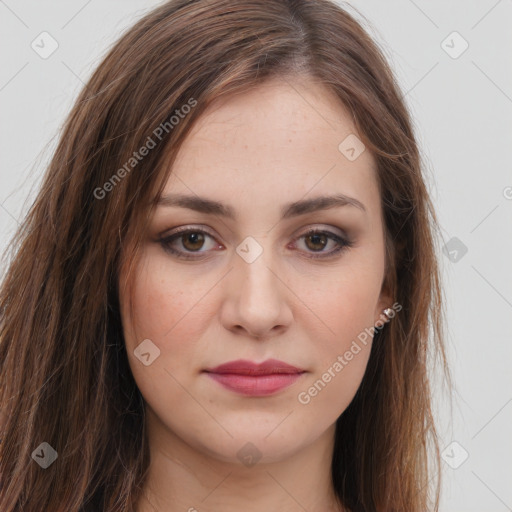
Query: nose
x,y
256,301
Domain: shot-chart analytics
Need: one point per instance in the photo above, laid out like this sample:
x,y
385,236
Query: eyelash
x,y
343,243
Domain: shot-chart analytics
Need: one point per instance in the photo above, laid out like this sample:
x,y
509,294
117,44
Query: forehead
x,y
271,145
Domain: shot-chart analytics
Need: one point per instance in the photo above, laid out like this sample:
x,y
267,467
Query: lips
x,y
255,379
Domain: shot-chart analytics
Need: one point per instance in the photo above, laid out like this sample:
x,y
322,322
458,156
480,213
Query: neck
x,y
186,478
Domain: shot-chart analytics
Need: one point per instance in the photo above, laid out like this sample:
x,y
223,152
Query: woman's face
x,y
254,285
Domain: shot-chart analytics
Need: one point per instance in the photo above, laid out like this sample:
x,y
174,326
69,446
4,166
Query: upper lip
x,y
245,367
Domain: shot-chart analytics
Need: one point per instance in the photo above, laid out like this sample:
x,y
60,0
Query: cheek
x,y
340,358
173,311
168,311
167,306
343,306
328,394
345,309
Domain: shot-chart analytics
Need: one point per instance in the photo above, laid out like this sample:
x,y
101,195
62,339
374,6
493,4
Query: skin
x,y
255,152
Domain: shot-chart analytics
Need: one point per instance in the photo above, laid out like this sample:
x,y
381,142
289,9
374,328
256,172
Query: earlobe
x,y
389,313
384,310
386,315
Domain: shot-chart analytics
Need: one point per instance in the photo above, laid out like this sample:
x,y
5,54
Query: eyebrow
x,y
208,206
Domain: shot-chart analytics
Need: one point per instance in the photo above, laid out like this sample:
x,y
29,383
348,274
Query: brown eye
x,y
318,241
193,240
185,242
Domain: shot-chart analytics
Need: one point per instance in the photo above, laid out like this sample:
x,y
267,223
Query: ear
x,y
385,301
387,290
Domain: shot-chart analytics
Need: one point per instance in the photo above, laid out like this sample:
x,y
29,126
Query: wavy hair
x,y
64,373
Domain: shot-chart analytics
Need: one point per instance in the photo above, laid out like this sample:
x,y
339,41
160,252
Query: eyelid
x,y
324,228
187,228
321,228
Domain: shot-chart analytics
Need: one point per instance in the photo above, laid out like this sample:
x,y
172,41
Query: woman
x,y
175,334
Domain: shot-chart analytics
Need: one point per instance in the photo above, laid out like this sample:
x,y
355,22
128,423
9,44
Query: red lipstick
x,y
253,379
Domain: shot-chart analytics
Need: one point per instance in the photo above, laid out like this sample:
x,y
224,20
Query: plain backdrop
x,y
451,62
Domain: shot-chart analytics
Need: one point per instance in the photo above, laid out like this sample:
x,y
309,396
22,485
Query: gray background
x,y
462,106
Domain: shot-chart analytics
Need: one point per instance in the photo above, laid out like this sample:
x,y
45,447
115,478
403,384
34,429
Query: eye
x,y
192,240
189,239
316,240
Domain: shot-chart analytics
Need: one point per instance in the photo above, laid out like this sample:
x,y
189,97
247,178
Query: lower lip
x,y
260,385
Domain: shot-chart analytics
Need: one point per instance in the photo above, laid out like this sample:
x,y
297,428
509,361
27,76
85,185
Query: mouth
x,y
255,379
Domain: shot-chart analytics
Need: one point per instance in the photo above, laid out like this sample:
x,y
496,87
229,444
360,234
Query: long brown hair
x,y
64,374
